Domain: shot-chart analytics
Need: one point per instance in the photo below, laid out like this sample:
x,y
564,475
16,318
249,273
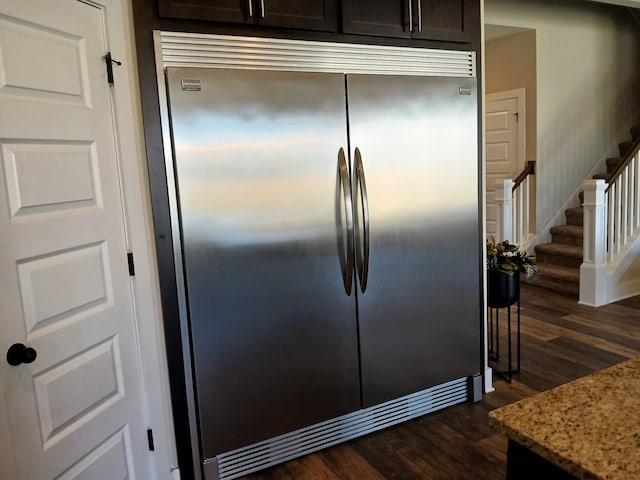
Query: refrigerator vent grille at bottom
x,y
285,447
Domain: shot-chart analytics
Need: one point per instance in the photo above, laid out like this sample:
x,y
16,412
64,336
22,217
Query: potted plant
x,y
505,263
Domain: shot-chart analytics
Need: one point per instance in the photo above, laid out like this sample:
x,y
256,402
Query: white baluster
x,y
617,226
525,214
631,213
636,182
624,206
519,215
611,205
504,210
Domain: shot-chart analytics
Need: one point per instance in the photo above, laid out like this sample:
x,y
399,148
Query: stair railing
x,y
623,212
513,205
611,221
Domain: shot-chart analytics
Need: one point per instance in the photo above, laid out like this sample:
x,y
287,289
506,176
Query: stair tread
x,y
613,164
574,211
559,271
560,279
562,249
624,148
568,230
575,215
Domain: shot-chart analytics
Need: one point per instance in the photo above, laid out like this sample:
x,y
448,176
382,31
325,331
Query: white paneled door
x,y
504,119
76,410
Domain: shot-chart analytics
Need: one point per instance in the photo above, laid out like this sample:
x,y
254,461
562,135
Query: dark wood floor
x,y
561,341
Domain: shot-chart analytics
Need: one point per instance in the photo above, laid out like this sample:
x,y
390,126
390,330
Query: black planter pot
x,y
503,290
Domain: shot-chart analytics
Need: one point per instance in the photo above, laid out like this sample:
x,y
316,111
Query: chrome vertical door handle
x,y
362,243
419,15
251,8
410,15
345,243
262,12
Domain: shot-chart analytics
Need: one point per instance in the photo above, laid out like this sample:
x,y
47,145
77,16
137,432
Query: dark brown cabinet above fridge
x,y
448,20
440,20
307,15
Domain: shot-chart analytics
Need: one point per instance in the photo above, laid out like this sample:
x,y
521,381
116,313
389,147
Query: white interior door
x,y
504,124
77,410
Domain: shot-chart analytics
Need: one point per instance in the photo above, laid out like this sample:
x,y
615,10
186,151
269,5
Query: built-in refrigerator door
x,y
414,146
264,211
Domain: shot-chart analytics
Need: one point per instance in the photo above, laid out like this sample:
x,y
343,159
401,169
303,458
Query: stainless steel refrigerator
x,y
330,243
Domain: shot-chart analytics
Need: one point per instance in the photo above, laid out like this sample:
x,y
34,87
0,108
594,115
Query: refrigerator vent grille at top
x,y
219,51
322,435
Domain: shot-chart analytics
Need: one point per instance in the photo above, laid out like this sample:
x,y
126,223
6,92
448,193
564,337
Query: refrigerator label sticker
x,y
191,86
464,91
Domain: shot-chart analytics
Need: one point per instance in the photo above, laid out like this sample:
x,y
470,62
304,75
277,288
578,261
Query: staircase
x,y
559,261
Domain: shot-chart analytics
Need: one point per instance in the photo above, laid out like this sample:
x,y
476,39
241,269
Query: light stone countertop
x,y
589,427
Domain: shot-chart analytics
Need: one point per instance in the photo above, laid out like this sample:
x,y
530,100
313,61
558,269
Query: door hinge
x,y
152,448
517,115
132,266
110,61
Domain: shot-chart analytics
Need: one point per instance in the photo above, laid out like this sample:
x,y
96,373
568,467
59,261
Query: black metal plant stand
x,y
503,293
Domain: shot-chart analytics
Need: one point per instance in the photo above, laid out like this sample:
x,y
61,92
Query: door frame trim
x,y
140,238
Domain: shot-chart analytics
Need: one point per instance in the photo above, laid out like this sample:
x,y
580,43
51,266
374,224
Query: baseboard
x,y
488,380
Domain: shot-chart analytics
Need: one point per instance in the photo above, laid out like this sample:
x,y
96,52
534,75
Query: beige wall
x,y
587,78
510,63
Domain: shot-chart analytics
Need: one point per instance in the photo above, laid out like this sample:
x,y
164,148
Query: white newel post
x,y
504,210
593,271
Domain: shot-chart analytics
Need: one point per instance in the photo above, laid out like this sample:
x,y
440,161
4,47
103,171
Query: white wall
x,y
587,79
511,64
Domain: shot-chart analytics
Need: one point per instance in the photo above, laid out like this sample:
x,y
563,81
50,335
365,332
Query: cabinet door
x,y
447,20
442,19
307,15
233,11
389,18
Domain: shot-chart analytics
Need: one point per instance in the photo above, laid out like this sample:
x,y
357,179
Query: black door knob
x,y
19,353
